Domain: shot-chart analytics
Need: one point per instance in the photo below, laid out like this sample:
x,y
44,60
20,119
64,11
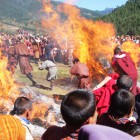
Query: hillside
x,y
126,18
19,13
27,14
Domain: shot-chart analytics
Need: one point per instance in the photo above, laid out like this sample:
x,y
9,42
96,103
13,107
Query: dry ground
x,y
62,84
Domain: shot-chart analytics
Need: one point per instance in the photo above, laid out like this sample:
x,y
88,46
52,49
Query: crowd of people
x,y
110,110
40,48
80,113
25,48
124,38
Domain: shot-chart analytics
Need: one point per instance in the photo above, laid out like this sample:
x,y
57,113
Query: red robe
x,y
104,93
82,72
12,59
127,65
23,57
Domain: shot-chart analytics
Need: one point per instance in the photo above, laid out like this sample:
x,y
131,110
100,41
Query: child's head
x,y
122,104
22,105
75,60
77,107
124,82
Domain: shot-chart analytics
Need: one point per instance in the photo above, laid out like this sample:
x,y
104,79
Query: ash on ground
x,y
49,108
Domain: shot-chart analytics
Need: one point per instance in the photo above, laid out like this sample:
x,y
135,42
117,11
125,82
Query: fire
x,y
0,41
9,92
91,39
132,49
6,81
6,86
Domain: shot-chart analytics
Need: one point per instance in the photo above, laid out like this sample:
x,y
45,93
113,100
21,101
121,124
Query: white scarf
x,y
120,56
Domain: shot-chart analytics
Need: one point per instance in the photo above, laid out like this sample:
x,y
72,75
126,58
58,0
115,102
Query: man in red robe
x,y
124,65
23,53
82,72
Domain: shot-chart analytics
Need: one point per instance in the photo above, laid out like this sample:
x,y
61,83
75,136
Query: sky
x,y
98,4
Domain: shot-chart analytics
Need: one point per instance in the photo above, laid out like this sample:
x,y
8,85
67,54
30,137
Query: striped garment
x,y
11,128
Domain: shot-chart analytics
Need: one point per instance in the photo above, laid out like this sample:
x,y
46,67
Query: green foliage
x,y
126,18
27,13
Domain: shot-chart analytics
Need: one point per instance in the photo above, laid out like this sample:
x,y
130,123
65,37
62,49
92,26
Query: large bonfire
x,y
9,92
6,82
91,39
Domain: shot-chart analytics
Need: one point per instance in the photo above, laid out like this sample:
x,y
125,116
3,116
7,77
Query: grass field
x,y
62,84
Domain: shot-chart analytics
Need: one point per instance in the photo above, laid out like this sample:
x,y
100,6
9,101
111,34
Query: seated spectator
x,y
120,112
22,110
77,108
98,132
11,128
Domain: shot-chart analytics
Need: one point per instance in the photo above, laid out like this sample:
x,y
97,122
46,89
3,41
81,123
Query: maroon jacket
x,y
82,72
60,133
127,65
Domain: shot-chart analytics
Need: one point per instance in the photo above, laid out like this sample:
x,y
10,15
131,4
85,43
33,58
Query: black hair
x,y
124,82
137,105
121,104
75,60
34,43
21,105
77,107
117,50
134,130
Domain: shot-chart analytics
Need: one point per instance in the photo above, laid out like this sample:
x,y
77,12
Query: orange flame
x,y
90,38
133,49
9,91
0,41
6,86
6,82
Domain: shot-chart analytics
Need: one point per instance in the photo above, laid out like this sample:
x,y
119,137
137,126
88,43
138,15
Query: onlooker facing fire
x,y
82,72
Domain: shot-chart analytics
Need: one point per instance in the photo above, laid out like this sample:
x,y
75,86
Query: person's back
x,y
123,64
77,108
11,128
103,92
81,70
22,50
120,113
98,132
